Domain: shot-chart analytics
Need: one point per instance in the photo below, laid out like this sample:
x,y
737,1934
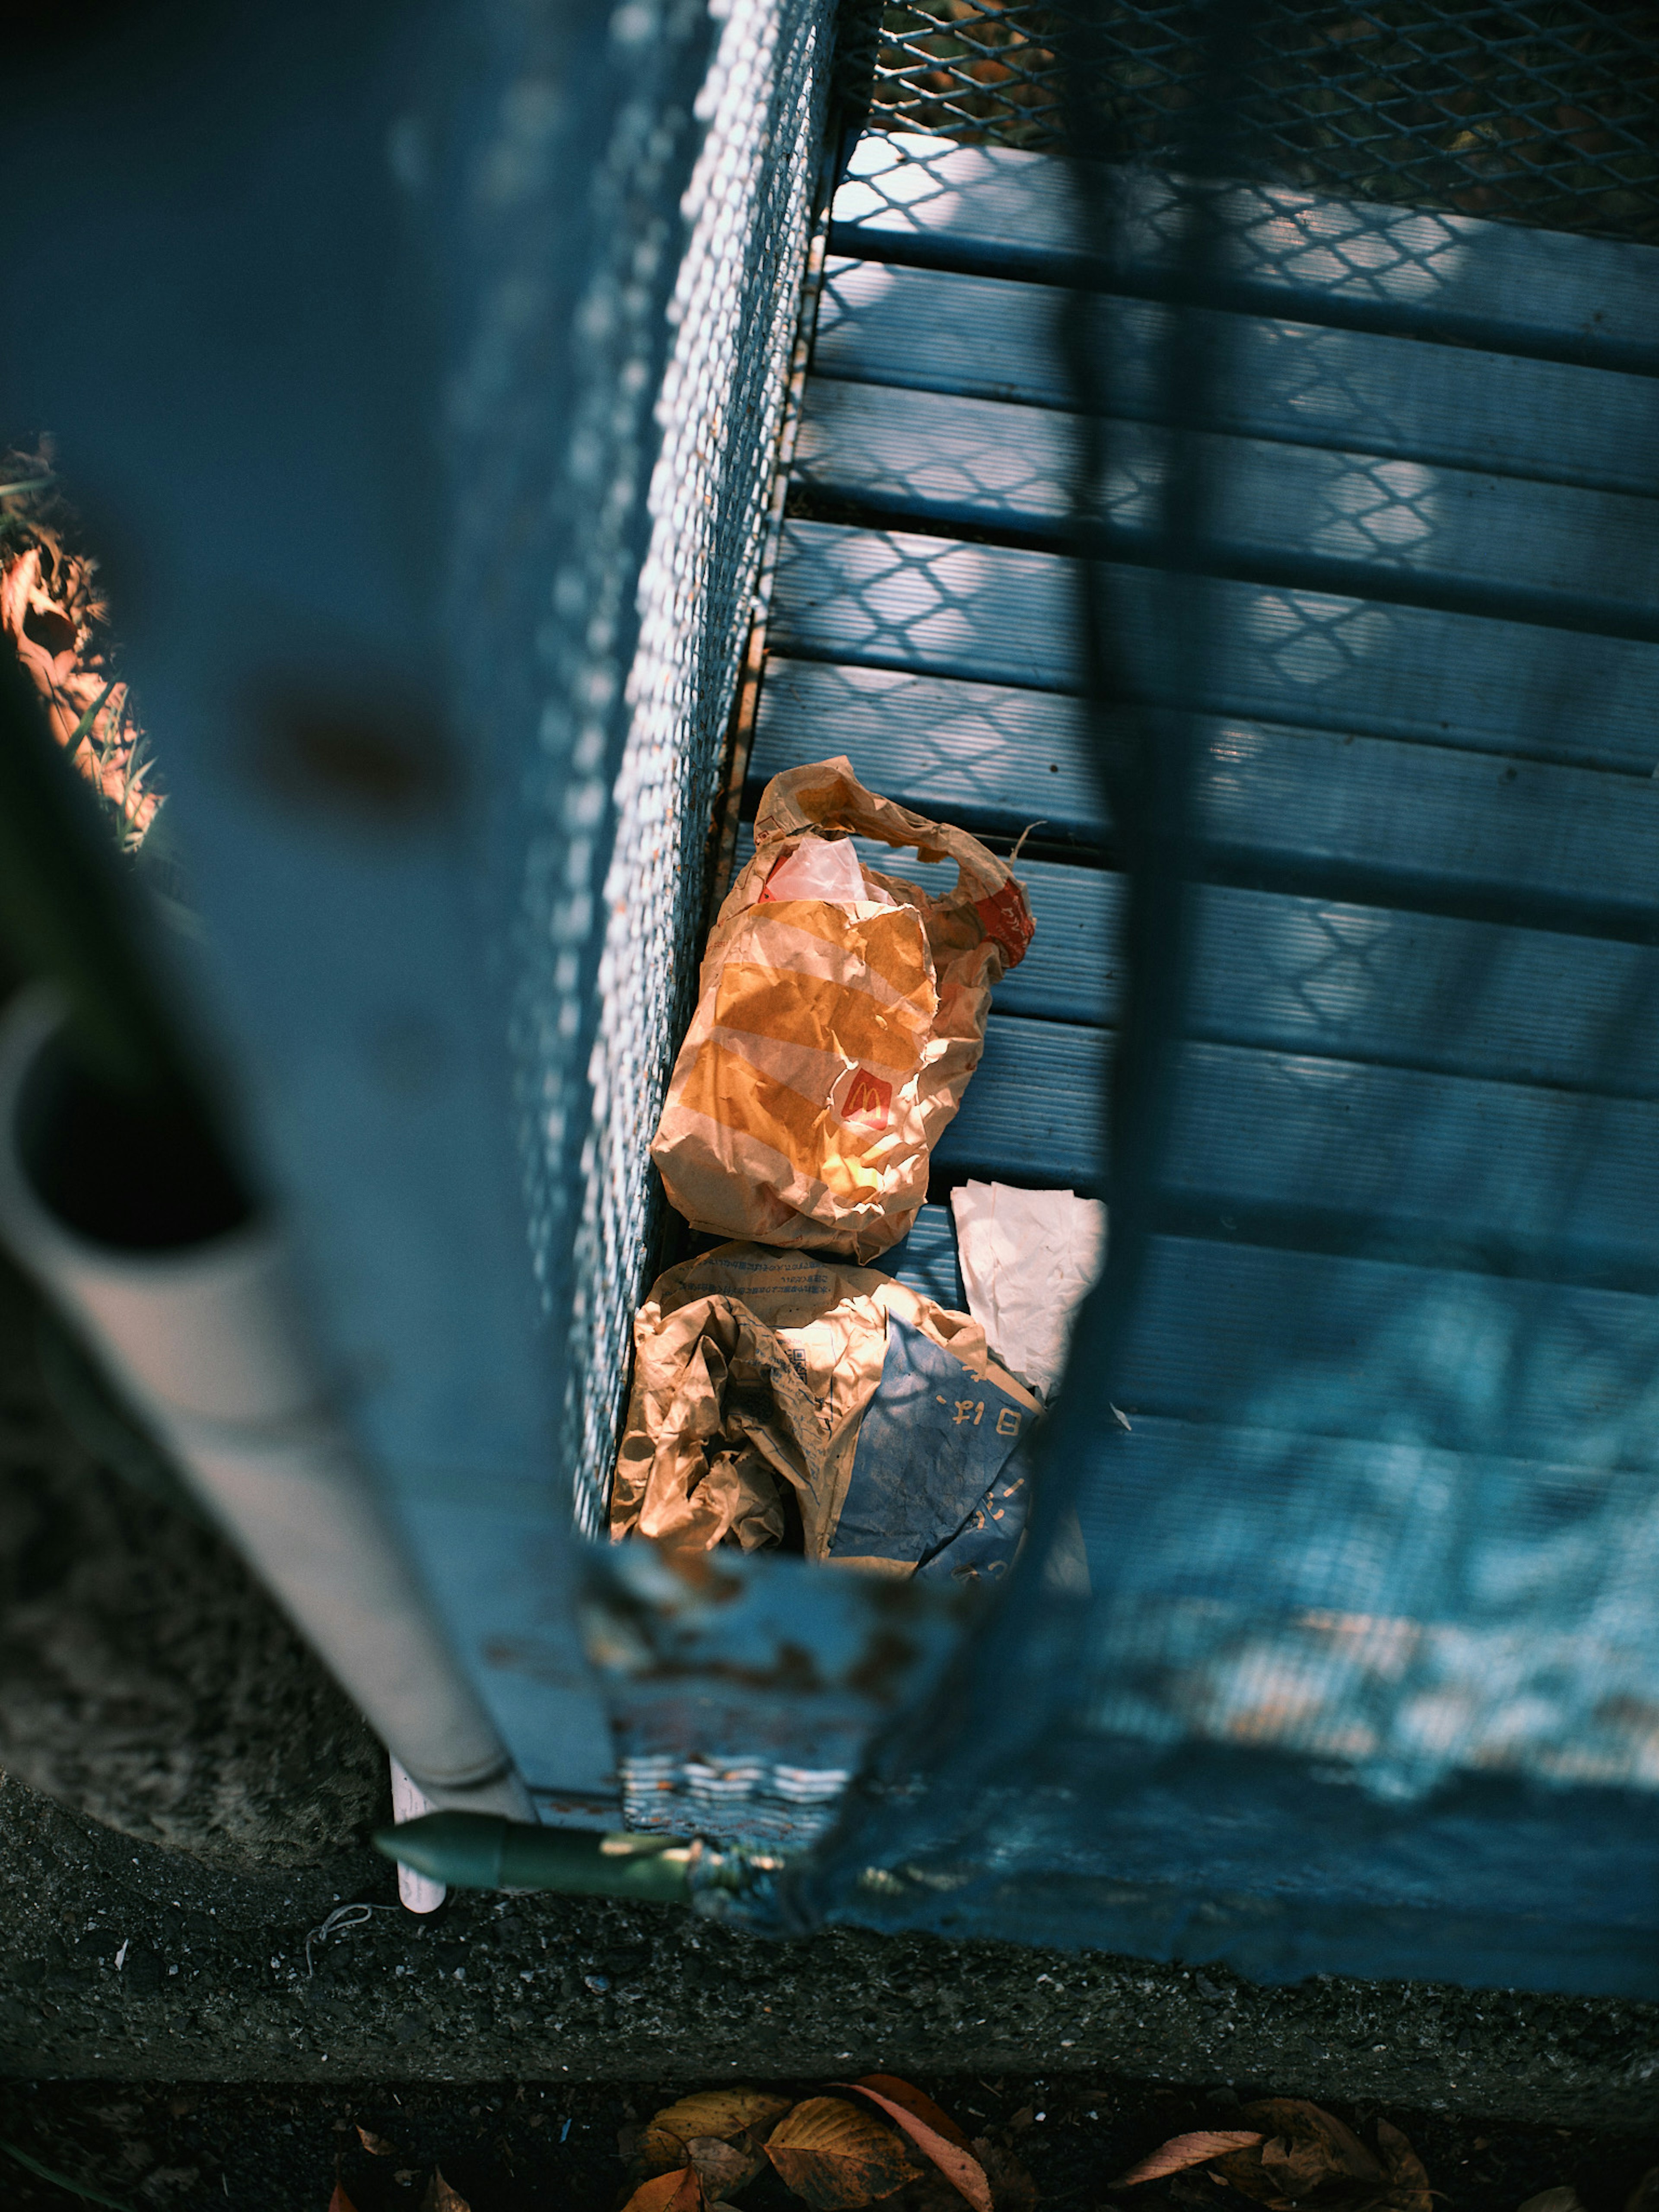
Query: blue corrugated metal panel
x,y
1000,615
1387,1493
991,211
1460,831
1297,1145
1367,1335
1291,513
989,338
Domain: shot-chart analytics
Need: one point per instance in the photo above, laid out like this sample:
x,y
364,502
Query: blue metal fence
x,y
448,441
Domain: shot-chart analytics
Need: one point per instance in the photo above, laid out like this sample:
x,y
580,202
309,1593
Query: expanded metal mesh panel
x,y
1537,114
1358,1427
734,312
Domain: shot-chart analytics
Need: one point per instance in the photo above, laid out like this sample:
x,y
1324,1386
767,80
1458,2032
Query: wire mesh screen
x,y
1537,114
1287,552
733,312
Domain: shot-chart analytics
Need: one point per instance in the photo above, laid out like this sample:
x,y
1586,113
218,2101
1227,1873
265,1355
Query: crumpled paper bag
x,y
1027,1258
833,1037
782,1399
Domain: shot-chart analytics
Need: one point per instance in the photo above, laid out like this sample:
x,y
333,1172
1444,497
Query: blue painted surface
x,y
1330,520
929,329
995,211
1367,1677
346,293
1389,1379
899,601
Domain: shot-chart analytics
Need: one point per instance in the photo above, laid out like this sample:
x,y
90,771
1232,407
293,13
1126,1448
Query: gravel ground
x,y
213,1985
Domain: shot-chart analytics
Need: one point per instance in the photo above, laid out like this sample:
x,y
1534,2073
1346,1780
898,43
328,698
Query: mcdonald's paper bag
x,y
781,1400
840,1016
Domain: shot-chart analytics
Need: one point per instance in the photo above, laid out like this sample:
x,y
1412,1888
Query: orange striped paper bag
x,y
834,1036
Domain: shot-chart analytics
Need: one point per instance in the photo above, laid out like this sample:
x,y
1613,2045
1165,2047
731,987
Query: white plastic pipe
x,y
208,1344
417,1892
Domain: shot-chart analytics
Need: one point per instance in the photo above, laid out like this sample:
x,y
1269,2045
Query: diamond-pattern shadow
x,y
1537,113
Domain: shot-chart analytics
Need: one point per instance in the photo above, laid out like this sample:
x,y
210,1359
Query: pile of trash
x,y
785,1394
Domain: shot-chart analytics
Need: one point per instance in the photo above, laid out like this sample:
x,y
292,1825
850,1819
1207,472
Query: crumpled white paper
x,y
1027,1258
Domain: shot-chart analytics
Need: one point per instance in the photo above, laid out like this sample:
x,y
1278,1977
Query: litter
x,y
1027,1259
824,868
783,1400
841,1014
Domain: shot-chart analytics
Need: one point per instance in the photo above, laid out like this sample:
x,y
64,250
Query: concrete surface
x,y
214,1986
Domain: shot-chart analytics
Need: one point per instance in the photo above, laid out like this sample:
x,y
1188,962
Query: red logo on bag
x,y
1008,919
868,1099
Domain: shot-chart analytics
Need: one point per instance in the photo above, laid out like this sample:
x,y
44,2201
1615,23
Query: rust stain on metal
x,y
700,1575
795,1673
886,1659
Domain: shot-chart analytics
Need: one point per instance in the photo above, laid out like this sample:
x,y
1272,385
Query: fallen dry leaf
x,y
1182,2151
1012,2189
932,2193
1024,2118
1409,2182
380,2145
1316,2145
55,620
1196,2187
1306,2157
836,2154
953,2157
1296,2157
913,2100
340,2201
678,2191
1565,2199
1645,2198
738,2116
440,2197
721,2166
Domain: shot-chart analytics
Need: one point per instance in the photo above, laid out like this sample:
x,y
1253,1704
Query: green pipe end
x,y
481,1851
462,1850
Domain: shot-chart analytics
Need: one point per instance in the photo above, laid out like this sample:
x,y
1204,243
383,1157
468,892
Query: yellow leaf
x,y
836,2154
737,2114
